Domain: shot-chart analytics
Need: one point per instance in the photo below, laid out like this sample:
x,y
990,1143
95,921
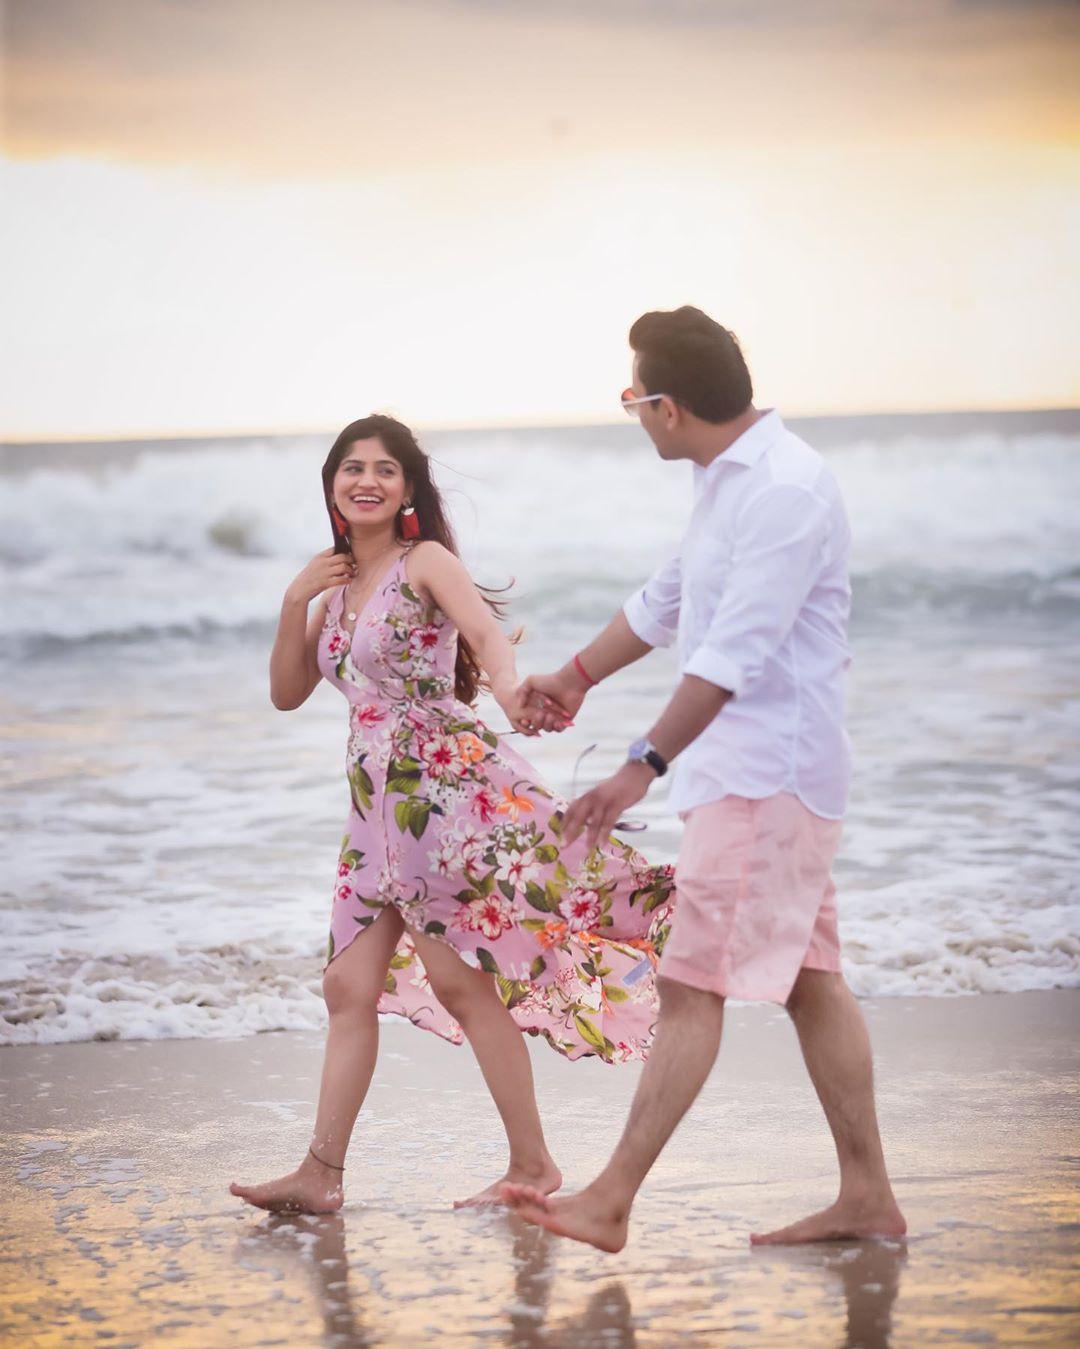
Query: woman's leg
x,y
471,997
351,986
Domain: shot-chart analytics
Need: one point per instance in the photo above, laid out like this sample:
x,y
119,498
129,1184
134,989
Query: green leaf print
x,y
539,965
534,924
330,949
434,929
352,858
413,814
593,1035
614,993
399,960
511,991
403,776
361,787
507,889
547,853
487,961
540,899
390,986
489,738
408,593
657,897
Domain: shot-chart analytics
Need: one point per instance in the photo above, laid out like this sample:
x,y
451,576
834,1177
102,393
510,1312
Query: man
x,y
758,598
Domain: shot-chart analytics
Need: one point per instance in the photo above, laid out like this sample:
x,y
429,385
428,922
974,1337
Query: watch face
x,y
638,749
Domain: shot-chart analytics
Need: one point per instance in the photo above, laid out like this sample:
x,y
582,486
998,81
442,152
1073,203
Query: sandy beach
x,y
118,1228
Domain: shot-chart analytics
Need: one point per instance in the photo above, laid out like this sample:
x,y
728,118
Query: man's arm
x,y
694,704
649,619
777,559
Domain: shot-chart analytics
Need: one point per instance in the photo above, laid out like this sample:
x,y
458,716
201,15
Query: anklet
x,y
320,1160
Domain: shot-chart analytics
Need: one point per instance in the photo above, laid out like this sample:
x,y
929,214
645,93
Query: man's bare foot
x,y
546,1179
582,1217
846,1220
311,1188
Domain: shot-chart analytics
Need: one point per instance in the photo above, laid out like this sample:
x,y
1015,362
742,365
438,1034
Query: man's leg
x,y
683,1053
836,1048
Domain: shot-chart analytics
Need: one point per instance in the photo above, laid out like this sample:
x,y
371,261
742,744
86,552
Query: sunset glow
x,y
460,225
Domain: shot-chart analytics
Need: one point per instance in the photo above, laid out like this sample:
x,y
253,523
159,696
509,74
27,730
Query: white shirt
x,y
758,596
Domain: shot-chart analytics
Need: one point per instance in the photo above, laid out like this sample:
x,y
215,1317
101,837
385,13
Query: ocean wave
x,y
570,602
989,503
235,990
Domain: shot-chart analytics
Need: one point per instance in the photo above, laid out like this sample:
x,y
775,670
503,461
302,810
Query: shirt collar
x,y
753,442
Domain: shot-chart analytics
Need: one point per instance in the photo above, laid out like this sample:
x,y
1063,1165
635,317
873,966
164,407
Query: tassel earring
x,y
339,521
410,522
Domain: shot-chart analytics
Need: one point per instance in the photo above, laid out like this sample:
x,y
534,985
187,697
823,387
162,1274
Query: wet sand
x,y
117,1227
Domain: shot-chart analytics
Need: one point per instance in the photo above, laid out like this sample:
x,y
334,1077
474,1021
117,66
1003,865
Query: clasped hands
x,y
550,702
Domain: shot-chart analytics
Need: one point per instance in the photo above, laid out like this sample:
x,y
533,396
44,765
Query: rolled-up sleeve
x,y
653,611
780,543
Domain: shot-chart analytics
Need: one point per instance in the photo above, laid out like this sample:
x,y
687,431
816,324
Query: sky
x,y
274,215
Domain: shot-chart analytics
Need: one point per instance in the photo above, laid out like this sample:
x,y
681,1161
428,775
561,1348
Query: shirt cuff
x,y
644,625
717,669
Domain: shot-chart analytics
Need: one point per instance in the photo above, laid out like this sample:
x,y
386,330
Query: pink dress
x,y
454,829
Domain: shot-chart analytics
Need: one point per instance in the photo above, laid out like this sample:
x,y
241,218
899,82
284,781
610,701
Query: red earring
x,y
339,520
410,523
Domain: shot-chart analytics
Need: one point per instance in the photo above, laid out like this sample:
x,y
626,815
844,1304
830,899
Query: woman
x,y
456,903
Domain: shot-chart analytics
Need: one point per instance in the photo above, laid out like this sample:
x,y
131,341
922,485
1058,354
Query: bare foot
x,y
845,1221
311,1188
582,1217
546,1179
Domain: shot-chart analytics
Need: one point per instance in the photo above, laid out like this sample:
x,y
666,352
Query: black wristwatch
x,y
641,751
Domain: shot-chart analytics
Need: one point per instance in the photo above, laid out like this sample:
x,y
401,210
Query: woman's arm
x,y
435,572
294,669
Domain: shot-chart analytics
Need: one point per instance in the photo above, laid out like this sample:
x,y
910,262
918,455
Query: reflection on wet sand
x,y
117,1223
319,1246
870,1273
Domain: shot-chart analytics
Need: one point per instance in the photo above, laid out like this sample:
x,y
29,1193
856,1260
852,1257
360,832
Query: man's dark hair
x,y
691,358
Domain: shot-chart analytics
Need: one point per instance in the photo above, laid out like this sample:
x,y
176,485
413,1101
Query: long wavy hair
x,y
399,441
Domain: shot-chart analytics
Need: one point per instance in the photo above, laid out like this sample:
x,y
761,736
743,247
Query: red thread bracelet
x,y
584,673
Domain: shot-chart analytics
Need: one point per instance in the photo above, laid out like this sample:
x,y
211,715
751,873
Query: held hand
x,y
554,699
597,811
524,716
325,569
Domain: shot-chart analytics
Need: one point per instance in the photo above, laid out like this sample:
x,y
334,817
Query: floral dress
x,y
454,829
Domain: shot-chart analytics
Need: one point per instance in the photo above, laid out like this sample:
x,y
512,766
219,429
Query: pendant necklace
x,y
352,617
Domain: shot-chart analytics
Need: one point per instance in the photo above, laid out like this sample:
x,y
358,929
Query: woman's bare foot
x,y
311,1188
582,1217
846,1220
545,1179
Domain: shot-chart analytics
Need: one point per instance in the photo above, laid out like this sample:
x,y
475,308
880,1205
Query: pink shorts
x,y
755,898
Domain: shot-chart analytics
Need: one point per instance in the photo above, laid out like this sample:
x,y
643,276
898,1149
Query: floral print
x,y
455,829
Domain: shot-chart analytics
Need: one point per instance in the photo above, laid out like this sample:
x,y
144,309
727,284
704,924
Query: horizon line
x,y
428,427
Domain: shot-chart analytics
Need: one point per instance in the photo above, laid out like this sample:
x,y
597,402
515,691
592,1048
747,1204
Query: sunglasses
x,y
624,826
632,404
